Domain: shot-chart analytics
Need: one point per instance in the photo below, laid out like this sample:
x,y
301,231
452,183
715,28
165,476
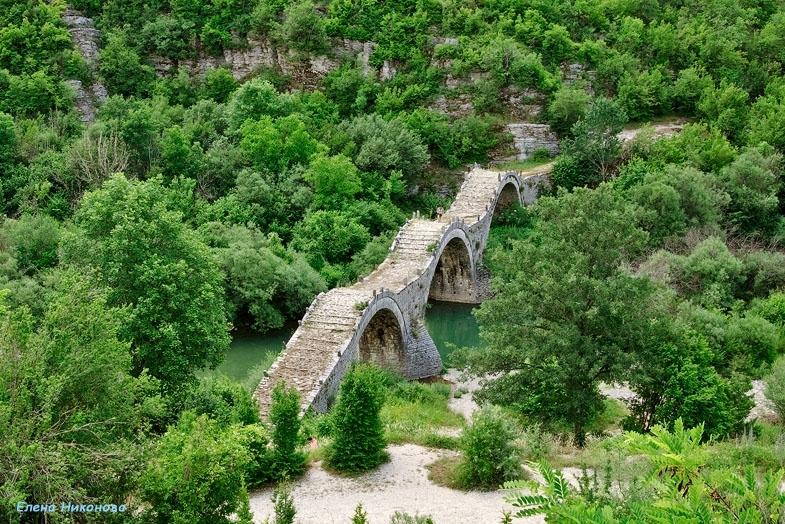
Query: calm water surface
x,y
451,323
249,349
446,322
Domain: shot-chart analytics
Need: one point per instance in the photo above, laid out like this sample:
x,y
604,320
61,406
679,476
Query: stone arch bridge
x,y
381,317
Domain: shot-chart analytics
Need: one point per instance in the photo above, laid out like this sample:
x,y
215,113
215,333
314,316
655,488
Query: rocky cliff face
x,y
86,38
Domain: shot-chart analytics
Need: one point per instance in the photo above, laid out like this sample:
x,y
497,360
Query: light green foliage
x,y
564,317
278,144
360,516
766,117
664,215
148,259
70,411
283,505
35,240
752,182
775,387
489,455
333,235
679,488
358,439
255,99
335,181
196,474
727,108
303,28
567,107
400,517
122,70
219,84
643,95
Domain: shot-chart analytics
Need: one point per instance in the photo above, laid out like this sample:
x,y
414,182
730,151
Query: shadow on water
x,y
453,323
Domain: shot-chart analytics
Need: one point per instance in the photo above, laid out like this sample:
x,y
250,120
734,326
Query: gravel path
x,y
400,485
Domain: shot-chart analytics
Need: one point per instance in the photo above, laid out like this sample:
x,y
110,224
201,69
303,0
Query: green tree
x,y
196,474
592,154
489,455
382,146
303,28
122,69
775,387
565,316
148,259
335,181
567,107
358,443
71,414
287,459
753,181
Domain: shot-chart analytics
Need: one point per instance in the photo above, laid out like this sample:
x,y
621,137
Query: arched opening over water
x,y
382,342
508,196
453,280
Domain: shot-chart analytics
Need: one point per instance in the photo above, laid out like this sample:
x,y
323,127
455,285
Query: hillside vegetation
x,y
202,199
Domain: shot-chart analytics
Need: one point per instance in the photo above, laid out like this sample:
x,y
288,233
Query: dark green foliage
x,y
264,283
358,439
197,474
303,28
676,380
122,70
224,401
489,455
148,259
591,155
287,459
564,281
381,146
752,181
71,413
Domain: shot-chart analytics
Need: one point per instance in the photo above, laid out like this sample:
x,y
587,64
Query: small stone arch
x,y
509,195
454,275
382,337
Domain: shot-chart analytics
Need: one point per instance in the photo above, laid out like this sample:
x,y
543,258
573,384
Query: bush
x,y
358,443
287,459
775,387
490,458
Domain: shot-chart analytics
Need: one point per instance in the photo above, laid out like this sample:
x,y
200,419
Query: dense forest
x,y
198,200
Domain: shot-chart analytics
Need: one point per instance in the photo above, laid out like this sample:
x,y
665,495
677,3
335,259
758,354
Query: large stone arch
x,y
507,196
381,336
454,276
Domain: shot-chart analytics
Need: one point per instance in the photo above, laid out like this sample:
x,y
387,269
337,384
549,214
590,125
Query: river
x,y
446,322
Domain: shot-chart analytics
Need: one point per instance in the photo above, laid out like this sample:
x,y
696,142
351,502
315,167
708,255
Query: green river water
x,y
446,322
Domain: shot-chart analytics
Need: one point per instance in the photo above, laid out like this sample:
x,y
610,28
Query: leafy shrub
x,y
358,443
490,457
287,459
775,387
400,517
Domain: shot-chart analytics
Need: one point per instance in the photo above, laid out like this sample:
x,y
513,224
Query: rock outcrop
x,y
86,38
